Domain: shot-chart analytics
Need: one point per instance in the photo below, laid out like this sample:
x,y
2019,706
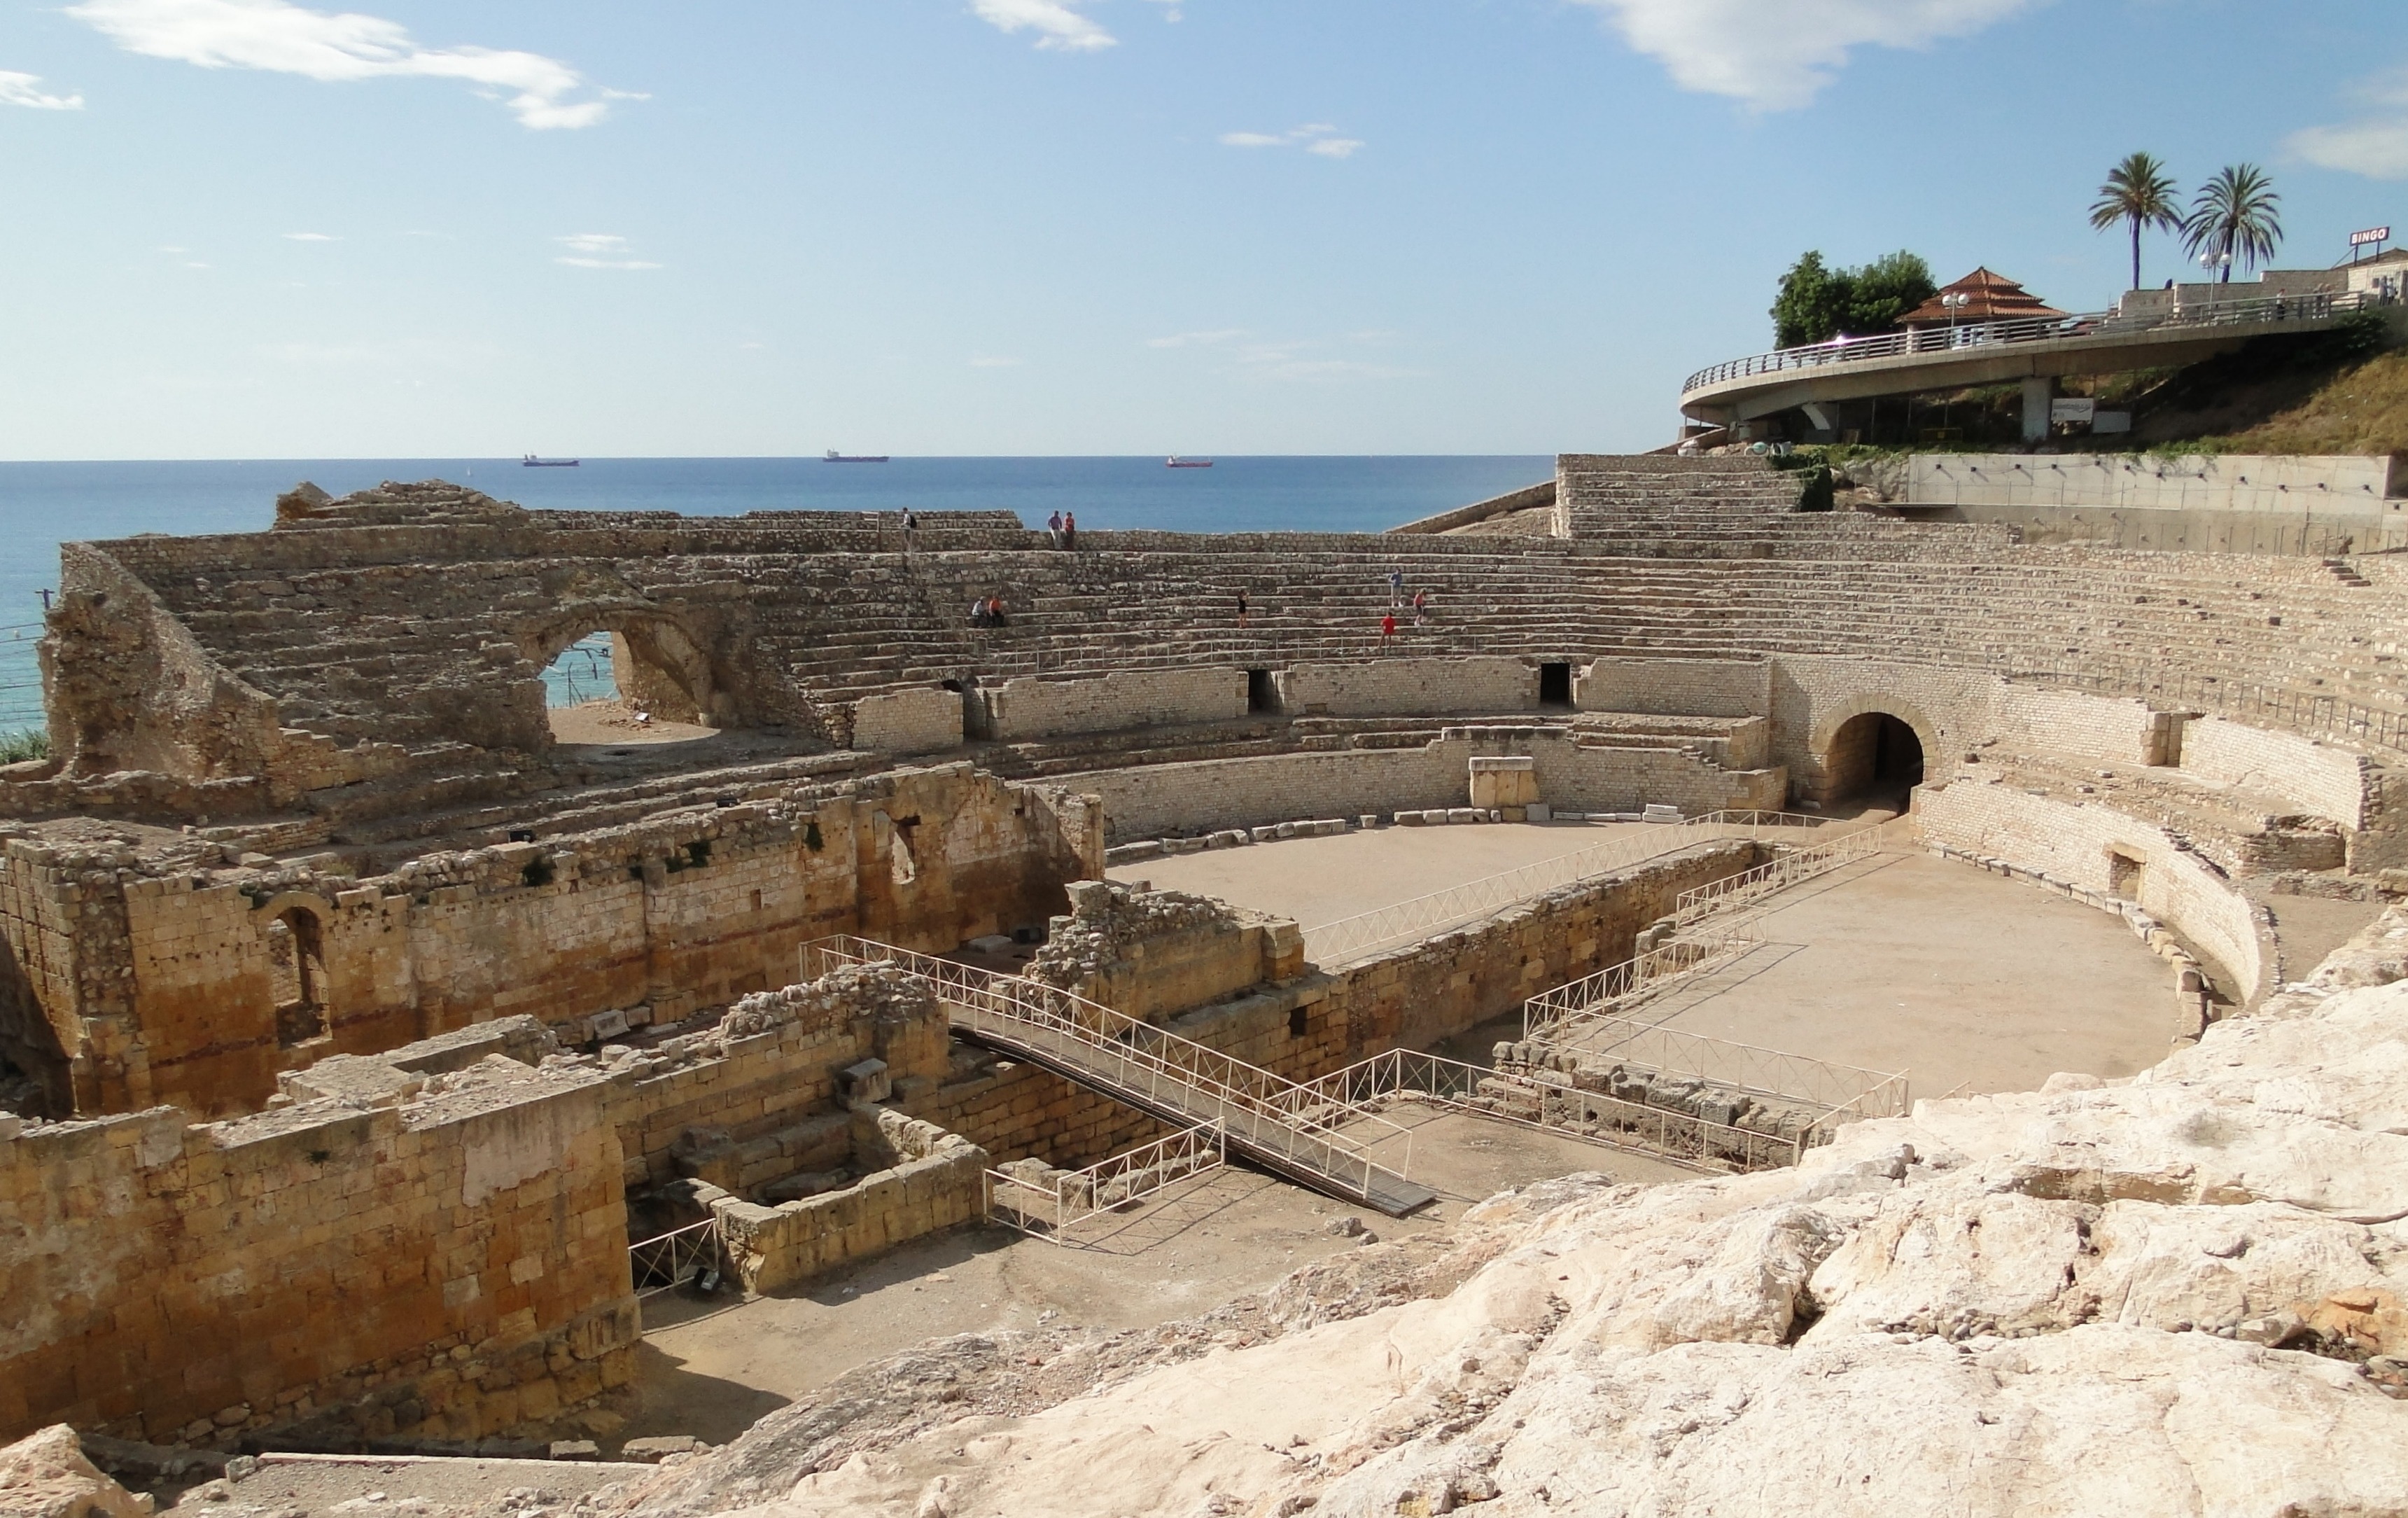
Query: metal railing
x,y
1790,869
1552,1015
1272,1117
1544,1100
1819,1086
2304,712
1076,1195
1366,933
2105,326
669,1260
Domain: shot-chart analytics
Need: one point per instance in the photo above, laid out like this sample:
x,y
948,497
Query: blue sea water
x,y
44,504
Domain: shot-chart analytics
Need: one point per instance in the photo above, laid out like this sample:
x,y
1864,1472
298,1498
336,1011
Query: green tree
x,y
2234,218
2140,194
1812,303
1885,290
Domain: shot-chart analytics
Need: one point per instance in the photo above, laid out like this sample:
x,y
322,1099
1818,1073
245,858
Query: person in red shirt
x,y
1387,628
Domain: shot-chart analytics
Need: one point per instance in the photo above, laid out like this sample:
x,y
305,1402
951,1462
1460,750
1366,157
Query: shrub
x,y
25,744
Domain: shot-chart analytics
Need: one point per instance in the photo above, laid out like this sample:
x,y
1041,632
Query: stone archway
x,y
1870,754
658,663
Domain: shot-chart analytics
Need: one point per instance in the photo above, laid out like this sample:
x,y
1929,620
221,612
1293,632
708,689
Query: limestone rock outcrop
x,y
2179,1294
46,1475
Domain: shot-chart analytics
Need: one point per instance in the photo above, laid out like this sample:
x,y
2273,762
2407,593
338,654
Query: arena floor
x,y
1904,963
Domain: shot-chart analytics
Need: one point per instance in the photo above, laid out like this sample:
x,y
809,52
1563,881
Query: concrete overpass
x,y
2035,351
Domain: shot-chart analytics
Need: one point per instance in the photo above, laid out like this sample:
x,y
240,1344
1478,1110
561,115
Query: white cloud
x,y
2374,145
310,237
1318,137
1197,340
1778,54
280,37
598,249
25,90
1055,23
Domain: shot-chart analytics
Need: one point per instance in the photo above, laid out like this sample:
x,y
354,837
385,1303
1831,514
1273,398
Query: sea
x,y
45,504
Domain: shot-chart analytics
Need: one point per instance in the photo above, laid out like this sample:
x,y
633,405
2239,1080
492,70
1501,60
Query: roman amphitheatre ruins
x,y
1736,1008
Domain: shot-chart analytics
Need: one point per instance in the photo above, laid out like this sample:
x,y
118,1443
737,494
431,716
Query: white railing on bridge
x,y
1793,867
1550,1016
1543,1100
1073,1196
2103,326
1347,940
1136,1059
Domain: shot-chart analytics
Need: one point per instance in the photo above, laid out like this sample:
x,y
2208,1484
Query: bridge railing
x,y
1347,940
1140,1059
2104,326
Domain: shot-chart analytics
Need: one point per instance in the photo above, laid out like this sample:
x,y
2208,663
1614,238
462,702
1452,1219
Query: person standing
x,y
1396,588
1421,607
1387,628
1070,531
1054,528
1242,607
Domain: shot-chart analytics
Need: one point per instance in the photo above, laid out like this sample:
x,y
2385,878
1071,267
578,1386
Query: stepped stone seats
x,y
412,622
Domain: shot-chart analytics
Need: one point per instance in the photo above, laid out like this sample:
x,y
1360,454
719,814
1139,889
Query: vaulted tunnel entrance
x,y
639,681
1872,757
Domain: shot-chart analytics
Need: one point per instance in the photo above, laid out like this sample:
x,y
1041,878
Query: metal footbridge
x,y
1285,1128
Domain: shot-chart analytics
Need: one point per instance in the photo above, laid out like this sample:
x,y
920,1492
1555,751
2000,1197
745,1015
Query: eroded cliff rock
x,y
2179,1296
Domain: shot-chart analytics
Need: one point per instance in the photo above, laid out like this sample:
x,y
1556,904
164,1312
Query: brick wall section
x,y
459,1260
1411,687
2324,780
2074,844
1675,686
1033,708
927,721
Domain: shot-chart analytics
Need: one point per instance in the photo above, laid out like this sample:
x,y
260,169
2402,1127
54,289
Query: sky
x,y
257,229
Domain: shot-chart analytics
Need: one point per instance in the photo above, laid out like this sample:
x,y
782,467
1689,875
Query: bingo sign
x,y
2374,236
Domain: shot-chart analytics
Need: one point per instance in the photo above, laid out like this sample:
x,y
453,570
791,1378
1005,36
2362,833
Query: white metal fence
x,y
1272,1117
1552,1016
1793,867
1071,1198
1347,940
669,1260
1543,1100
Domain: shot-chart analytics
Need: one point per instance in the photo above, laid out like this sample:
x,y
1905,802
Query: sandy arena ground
x,y
1318,880
712,1370
612,722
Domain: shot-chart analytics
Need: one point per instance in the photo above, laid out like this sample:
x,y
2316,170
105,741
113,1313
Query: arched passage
x,y
628,675
296,975
1871,753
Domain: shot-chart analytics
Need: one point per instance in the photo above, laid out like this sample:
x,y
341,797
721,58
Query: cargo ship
x,y
832,457
1175,462
531,462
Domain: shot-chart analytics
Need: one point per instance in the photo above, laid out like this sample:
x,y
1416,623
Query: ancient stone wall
x,y
1675,686
163,983
1410,688
929,1181
1034,708
451,1265
2325,781
924,721
2113,854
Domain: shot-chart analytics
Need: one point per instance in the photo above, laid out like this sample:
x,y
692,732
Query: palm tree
x,y
2234,218
2139,192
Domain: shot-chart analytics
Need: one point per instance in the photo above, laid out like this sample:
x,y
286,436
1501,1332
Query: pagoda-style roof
x,y
1993,297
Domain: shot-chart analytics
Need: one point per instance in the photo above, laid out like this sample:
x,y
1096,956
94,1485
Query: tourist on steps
x,y
1396,588
1421,607
1053,528
1242,607
1070,531
978,611
1387,628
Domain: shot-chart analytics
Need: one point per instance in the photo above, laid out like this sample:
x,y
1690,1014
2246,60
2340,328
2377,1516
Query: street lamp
x,y
1954,303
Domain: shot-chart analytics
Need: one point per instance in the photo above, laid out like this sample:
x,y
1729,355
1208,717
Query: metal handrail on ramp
x,y
1277,1123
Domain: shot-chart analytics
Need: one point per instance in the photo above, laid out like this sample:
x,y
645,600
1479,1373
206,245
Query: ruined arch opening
x,y
296,976
1874,757
632,682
